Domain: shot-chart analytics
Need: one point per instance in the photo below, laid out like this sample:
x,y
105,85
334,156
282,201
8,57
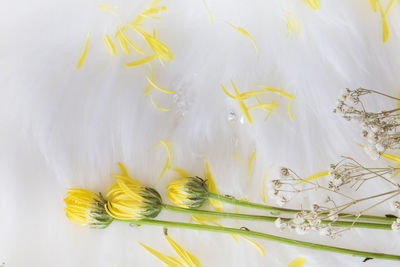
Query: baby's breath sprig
x,y
380,129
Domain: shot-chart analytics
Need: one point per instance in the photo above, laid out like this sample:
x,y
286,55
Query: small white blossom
x,y
281,201
394,206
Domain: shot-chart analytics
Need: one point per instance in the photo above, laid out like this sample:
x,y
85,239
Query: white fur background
x,y
63,128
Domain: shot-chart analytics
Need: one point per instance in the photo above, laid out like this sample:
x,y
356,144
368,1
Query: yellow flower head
x,y
191,192
130,200
86,208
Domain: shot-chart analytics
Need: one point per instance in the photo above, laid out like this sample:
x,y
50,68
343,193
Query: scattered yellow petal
x,y
396,172
208,12
290,110
133,45
160,49
123,43
292,23
249,165
110,46
152,11
187,258
168,261
299,262
389,6
217,205
242,107
237,207
141,61
254,244
245,34
313,4
239,159
167,162
123,170
385,30
107,9
226,92
203,221
83,53
276,91
263,182
149,85
157,106
314,176
372,4
390,157
158,87
398,2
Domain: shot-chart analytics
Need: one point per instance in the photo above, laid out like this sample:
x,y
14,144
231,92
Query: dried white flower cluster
x,y
380,129
306,221
274,188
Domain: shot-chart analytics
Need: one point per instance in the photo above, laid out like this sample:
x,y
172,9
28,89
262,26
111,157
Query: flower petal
x,y
314,176
169,261
157,106
208,12
299,262
217,205
254,244
249,165
110,46
83,53
141,61
158,87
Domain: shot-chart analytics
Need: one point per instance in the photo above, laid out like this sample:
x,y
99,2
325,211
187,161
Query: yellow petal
x,y
187,258
208,12
226,92
290,110
158,87
277,91
122,169
254,244
372,4
202,220
299,262
83,53
169,261
217,205
167,162
249,165
110,46
263,183
388,7
160,49
107,9
141,61
314,176
239,159
390,157
245,34
157,106
133,45
292,22
149,85
313,4
385,30
123,43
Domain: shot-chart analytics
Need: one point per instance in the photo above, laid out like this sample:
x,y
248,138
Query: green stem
x,y
277,210
240,216
283,240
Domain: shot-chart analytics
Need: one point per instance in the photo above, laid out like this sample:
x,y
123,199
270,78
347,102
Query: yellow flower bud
x,y
84,207
190,192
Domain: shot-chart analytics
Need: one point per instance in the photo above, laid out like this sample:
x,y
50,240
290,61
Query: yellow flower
x,y
130,200
190,192
86,208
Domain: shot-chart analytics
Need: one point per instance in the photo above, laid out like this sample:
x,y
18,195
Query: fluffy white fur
x,y
63,128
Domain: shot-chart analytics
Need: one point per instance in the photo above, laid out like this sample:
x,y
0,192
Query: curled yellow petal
x,y
276,91
249,165
123,170
141,61
167,162
83,53
290,110
158,87
157,106
254,244
110,46
149,85
314,176
168,261
299,262
226,92
313,4
208,12
388,6
217,205
245,34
